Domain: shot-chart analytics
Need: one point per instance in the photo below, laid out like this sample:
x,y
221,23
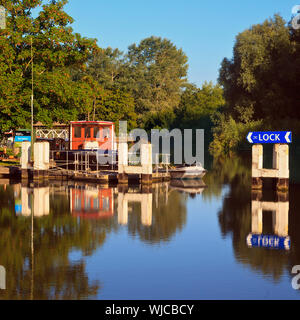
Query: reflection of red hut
x,y
92,203
92,133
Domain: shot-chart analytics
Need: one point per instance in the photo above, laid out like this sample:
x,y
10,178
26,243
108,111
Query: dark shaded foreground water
x,y
82,241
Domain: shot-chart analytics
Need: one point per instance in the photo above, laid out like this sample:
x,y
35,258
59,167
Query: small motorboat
x,y
188,172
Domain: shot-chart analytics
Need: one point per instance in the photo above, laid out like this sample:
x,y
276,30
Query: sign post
x,y
280,171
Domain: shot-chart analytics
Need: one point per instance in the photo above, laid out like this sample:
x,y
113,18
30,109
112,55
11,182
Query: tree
x,y
108,68
56,49
198,104
116,105
157,73
262,74
101,102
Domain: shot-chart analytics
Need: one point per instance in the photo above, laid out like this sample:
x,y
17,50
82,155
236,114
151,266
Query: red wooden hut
x,y
92,135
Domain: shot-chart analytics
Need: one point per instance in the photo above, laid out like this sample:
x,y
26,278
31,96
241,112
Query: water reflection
x,y
34,201
91,202
279,210
35,244
41,225
192,187
242,215
48,231
145,201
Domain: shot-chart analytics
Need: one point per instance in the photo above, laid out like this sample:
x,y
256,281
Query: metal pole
x,y
32,135
97,158
67,161
32,250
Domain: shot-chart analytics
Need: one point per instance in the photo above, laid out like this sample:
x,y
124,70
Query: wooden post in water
x,y
282,165
122,162
25,159
41,160
146,162
257,165
280,169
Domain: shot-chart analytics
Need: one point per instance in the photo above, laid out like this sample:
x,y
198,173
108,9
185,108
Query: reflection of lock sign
x,y
2,278
296,19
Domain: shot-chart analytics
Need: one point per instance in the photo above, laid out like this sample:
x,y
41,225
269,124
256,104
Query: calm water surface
x,y
83,241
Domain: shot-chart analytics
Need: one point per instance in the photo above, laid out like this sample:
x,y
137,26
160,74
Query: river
x,y
83,241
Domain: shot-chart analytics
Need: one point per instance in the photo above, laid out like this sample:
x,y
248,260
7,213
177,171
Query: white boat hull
x,y
188,173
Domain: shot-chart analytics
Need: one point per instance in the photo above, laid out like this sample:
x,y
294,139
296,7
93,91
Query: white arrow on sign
x,y
287,243
249,238
249,137
287,137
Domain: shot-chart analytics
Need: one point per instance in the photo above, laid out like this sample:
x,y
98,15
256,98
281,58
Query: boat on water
x,y
188,172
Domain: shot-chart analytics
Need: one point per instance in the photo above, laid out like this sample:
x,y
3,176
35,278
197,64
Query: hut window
x,y
87,132
106,133
96,132
77,132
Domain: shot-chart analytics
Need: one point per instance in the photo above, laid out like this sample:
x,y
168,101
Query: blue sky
x,y
204,29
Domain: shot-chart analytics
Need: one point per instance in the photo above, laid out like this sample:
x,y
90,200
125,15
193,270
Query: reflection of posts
x,y
280,221
41,201
40,198
146,207
2,278
280,212
257,226
25,201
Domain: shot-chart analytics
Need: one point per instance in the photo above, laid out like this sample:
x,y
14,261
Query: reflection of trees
x,y
294,223
167,219
235,220
46,271
224,171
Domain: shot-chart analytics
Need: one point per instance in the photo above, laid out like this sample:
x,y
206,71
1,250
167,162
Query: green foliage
x,y
198,104
108,68
157,72
230,134
116,105
99,103
152,72
264,73
55,49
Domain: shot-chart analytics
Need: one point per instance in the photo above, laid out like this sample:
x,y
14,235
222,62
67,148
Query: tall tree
x,y
108,68
105,98
262,73
197,105
56,49
158,72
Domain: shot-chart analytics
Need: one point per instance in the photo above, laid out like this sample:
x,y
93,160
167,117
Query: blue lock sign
x,y
270,137
268,241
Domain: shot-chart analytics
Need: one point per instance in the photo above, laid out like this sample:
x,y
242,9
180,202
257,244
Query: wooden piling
x,y
280,170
